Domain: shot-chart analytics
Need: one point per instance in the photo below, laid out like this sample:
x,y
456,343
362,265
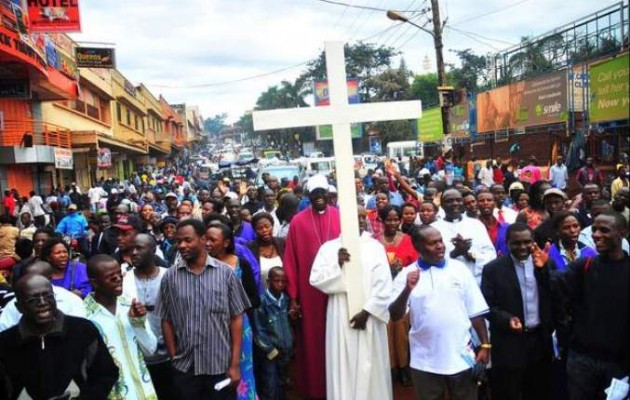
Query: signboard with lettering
x,y
63,158
610,90
95,57
15,89
54,15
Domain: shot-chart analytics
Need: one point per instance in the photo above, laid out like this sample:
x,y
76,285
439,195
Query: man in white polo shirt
x,y
443,300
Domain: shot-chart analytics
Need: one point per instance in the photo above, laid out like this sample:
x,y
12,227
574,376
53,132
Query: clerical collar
x,y
426,266
447,219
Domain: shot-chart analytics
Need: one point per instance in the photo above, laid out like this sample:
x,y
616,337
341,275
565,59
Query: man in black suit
x,y
517,291
105,241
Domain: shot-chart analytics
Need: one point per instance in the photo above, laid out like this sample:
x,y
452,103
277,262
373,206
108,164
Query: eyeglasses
x,y
34,300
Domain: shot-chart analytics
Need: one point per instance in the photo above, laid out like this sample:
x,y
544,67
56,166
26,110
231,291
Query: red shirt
x,y
9,204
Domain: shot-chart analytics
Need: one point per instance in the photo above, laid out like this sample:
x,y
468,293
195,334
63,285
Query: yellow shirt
x,y
8,236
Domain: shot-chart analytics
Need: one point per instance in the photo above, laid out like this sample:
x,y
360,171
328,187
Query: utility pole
x,y
439,60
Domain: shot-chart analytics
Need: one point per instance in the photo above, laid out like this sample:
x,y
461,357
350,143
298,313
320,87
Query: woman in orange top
x,y
535,213
400,253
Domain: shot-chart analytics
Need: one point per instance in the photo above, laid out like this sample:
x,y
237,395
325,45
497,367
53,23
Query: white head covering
x,y
332,189
318,181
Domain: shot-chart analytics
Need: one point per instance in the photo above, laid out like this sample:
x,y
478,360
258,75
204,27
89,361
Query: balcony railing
x,y
27,132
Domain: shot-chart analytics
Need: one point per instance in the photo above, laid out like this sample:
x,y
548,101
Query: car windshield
x,y
283,172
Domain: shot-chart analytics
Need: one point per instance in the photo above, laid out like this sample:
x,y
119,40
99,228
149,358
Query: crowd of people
x,y
481,279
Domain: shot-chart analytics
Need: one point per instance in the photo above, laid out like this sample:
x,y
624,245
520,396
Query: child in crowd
x,y
274,337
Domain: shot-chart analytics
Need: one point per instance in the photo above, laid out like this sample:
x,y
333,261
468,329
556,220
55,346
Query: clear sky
x,y
172,46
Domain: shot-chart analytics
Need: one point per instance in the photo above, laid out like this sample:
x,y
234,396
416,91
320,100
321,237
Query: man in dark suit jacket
x,y
518,294
105,241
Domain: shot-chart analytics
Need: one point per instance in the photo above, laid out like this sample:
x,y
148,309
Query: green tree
x,y
393,85
473,72
214,126
536,57
364,61
424,88
285,95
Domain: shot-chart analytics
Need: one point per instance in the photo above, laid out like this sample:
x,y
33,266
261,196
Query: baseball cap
x,y
317,181
72,207
555,192
114,191
129,223
170,194
516,186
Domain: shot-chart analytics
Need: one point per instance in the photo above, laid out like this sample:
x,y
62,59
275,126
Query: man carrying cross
x,y
340,114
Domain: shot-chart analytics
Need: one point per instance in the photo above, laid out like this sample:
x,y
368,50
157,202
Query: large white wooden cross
x,y
341,114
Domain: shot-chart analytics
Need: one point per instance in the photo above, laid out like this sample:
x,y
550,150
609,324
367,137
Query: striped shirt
x,y
200,307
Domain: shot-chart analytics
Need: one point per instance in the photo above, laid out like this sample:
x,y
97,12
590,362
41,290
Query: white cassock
x,y
357,361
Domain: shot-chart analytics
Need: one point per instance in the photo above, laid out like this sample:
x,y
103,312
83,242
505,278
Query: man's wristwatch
x,y
486,346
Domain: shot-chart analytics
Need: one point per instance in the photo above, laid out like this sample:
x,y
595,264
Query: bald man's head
x,y
35,299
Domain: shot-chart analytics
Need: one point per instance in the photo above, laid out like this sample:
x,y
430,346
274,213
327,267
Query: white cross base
x,y
340,115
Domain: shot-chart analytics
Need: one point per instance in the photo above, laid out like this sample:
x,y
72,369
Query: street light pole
x,y
439,46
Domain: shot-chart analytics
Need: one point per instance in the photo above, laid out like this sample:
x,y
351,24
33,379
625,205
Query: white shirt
x,y
67,302
486,177
441,306
36,203
95,194
509,215
586,237
482,248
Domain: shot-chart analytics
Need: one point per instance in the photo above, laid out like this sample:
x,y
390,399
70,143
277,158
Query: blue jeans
x,y
274,378
588,377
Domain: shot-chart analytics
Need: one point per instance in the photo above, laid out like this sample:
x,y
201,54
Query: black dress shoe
x,y
405,378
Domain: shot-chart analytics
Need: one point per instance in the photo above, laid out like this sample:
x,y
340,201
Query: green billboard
x,y
430,128
610,90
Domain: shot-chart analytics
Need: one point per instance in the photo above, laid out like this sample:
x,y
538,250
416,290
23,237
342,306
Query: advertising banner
x,y
430,128
322,98
62,16
543,100
459,114
538,101
494,111
104,158
95,57
610,90
63,158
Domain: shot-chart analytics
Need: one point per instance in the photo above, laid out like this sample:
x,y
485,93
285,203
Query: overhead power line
x,y
339,3
479,35
498,10
263,75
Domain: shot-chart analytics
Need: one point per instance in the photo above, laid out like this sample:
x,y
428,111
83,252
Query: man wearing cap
x,y
128,229
171,205
553,199
75,226
310,229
